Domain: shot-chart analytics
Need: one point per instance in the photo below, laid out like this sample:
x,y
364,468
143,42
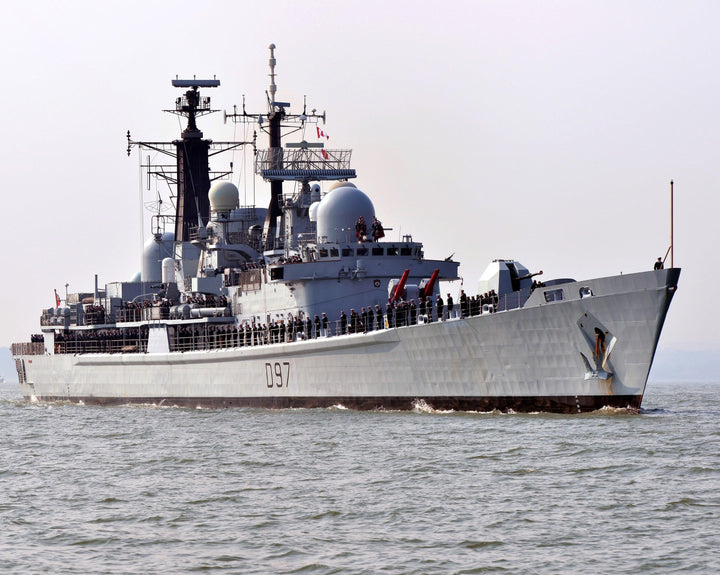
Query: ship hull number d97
x,y
277,374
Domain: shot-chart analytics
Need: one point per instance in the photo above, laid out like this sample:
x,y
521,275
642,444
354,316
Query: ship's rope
x,y
242,174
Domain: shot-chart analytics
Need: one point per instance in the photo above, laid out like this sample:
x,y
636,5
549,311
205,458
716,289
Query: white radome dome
x,y
338,211
223,196
341,185
155,250
312,212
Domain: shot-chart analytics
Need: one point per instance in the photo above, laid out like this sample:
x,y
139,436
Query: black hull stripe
x,y
550,404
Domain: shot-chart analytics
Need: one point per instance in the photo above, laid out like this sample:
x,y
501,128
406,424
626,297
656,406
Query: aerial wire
x,y
142,211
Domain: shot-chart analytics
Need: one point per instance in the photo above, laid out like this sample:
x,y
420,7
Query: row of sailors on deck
x,y
293,259
395,314
247,266
402,313
203,300
94,314
473,305
137,304
207,300
210,336
100,340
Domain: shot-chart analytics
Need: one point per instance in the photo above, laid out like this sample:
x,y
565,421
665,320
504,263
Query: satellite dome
x,y
338,211
312,212
223,196
341,185
155,249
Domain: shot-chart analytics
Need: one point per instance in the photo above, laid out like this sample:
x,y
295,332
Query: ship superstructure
x,y
306,303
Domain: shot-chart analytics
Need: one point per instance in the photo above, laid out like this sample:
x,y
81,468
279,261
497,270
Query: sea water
x,y
164,490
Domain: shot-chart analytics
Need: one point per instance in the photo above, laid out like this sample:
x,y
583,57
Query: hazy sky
x,y
547,132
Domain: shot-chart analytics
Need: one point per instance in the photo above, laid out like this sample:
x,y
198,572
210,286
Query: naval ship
x,y
307,304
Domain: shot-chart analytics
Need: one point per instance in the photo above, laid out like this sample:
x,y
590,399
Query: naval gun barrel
x,y
528,276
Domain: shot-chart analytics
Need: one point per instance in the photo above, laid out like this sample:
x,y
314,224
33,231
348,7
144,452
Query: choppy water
x,y
163,490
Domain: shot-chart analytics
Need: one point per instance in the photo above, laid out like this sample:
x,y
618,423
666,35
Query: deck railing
x,y
28,348
210,336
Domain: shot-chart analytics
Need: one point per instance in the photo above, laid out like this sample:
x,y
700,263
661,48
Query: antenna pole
x,y
272,62
671,225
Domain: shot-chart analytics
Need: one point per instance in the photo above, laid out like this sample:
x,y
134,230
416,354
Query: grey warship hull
x,y
542,356
242,306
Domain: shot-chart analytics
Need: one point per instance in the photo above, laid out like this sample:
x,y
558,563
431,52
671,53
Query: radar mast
x,y
307,162
191,174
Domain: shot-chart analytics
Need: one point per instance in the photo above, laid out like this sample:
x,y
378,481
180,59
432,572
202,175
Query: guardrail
x,y
28,348
201,337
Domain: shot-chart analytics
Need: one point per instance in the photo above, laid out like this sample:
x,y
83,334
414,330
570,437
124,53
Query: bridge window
x,y
393,251
554,295
377,251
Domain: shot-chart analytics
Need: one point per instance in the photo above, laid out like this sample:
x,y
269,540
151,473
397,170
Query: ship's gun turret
x,y
505,276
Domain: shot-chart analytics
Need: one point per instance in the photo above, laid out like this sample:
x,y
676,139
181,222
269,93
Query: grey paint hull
x,y
538,358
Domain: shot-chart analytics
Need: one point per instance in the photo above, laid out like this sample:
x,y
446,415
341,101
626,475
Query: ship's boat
x,y
307,303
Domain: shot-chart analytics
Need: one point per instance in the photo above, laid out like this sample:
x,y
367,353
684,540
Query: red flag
x,y
57,299
321,134
325,154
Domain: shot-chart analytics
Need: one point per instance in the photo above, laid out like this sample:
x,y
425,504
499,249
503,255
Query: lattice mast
x,y
301,162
